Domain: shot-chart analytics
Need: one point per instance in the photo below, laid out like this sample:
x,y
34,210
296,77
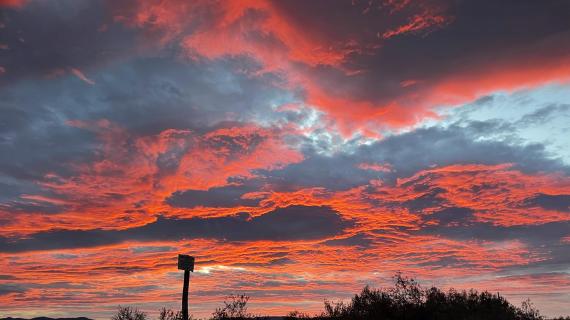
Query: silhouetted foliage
x,y
235,307
169,314
408,300
297,315
129,313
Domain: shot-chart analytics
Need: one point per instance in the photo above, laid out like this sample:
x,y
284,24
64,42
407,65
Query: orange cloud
x,y
264,31
127,187
375,167
12,3
429,19
386,235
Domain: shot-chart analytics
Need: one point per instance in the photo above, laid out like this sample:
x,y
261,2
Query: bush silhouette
x,y
235,307
168,314
129,313
407,300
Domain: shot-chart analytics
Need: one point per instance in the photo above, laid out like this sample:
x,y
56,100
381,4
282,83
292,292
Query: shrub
x,y
129,313
297,315
235,307
408,300
169,314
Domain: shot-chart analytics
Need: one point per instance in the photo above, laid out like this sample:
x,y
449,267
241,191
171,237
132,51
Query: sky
x,y
300,150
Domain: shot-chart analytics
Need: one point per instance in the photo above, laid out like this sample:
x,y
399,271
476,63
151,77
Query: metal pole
x,y
185,295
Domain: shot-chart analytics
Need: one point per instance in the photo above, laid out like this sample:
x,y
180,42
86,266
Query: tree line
x,y
405,300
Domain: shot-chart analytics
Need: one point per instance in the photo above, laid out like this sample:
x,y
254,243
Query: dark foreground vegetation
x,y
406,300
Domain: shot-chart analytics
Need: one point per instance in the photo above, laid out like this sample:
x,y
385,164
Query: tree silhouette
x,y
407,300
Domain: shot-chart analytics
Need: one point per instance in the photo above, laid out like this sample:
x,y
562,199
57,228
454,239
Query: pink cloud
x,y
79,74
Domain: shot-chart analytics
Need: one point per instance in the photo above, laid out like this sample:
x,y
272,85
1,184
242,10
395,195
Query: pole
x,y
185,295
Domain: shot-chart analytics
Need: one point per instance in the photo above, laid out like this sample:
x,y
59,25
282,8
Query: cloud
x,y
430,199
42,139
544,115
12,3
282,224
558,202
535,235
431,62
226,196
339,60
413,151
79,74
427,20
7,289
31,206
357,240
46,39
452,215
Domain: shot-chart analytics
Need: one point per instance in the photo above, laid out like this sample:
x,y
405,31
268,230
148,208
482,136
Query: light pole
x,y
185,263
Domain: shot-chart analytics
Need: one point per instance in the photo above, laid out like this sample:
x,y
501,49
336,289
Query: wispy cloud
x,y
79,74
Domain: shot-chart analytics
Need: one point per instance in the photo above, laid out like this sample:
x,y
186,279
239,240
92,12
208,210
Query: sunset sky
x,y
300,150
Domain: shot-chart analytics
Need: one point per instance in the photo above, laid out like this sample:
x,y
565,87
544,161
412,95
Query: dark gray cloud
x,y
411,152
536,235
446,261
138,87
429,199
41,142
151,92
419,149
145,96
544,115
558,202
334,172
282,224
226,196
451,215
543,239
11,288
512,33
46,38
